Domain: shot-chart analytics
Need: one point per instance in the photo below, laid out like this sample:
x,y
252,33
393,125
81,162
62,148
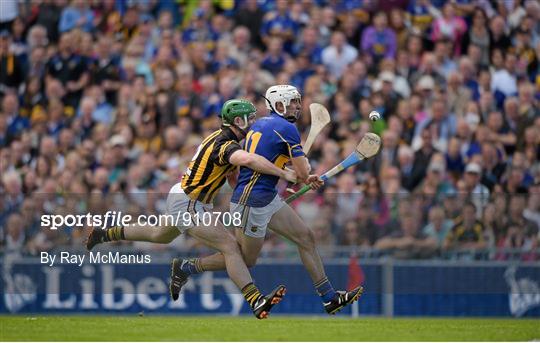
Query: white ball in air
x,y
374,116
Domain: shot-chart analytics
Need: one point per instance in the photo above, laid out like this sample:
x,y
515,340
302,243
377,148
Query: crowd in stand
x,y
104,102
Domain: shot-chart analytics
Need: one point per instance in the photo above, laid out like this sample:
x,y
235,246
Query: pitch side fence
x,y
393,288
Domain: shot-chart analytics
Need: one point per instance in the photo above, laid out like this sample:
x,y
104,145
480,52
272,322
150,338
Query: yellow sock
x,y
115,234
251,293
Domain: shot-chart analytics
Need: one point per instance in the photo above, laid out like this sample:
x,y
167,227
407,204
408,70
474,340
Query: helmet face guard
x,y
246,119
283,94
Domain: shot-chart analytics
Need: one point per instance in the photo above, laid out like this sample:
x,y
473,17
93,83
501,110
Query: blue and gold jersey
x,y
276,139
419,16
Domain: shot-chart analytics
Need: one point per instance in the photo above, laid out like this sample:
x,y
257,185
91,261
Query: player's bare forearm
x,y
300,166
259,164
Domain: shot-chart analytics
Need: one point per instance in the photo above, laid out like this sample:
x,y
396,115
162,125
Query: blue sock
x,y
325,290
192,266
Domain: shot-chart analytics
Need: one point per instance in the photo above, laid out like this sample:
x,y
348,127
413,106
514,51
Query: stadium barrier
x,y
393,288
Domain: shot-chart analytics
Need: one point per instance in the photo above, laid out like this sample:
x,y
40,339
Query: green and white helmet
x,y
237,108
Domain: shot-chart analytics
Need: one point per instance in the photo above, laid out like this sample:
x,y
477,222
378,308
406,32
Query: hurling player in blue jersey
x,y
255,197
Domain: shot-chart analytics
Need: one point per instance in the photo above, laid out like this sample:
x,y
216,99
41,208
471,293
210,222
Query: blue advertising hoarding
x,y
396,288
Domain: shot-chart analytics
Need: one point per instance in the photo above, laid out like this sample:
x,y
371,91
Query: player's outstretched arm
x,y
261,165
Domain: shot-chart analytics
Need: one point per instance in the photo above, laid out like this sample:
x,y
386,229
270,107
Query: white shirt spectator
x,y
504,82
9,10
533,216
13,245
480,198
347,207
480,193
400,84
515,17
336,60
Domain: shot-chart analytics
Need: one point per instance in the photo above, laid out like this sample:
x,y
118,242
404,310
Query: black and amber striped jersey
x,y
209,167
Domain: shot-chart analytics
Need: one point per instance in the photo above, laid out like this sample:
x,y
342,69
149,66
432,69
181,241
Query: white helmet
x,y
283,94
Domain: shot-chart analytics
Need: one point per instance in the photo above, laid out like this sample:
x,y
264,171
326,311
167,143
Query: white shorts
x,y
178,203
255,219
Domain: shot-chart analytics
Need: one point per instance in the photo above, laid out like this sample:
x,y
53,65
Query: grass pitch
x,y
180,328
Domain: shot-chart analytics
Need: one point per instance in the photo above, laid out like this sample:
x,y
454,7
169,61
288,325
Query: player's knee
x,y
307,240
250,261
229,246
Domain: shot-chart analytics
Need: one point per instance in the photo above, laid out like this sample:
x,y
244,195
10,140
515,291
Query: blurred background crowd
x,y
104,102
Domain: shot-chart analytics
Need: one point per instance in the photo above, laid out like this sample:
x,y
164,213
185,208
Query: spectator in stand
x,y
8,14
434,184
478,35
378,40
12,71
493,167
442,125
504,80
420,14
251,15
409,242
15,122
449,26
274,60
14,235
468,71
350,235
338,55
241,45
458,95
532,212
388,156
12,187
478,192
68,68
516,209
279,23
438,226
468,233
406,162
77,15
309,45
200,30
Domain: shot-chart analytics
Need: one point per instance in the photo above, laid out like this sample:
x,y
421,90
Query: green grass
x,y
180,328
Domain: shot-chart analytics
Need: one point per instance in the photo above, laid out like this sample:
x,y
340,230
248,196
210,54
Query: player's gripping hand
x,y
289,175
314,181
